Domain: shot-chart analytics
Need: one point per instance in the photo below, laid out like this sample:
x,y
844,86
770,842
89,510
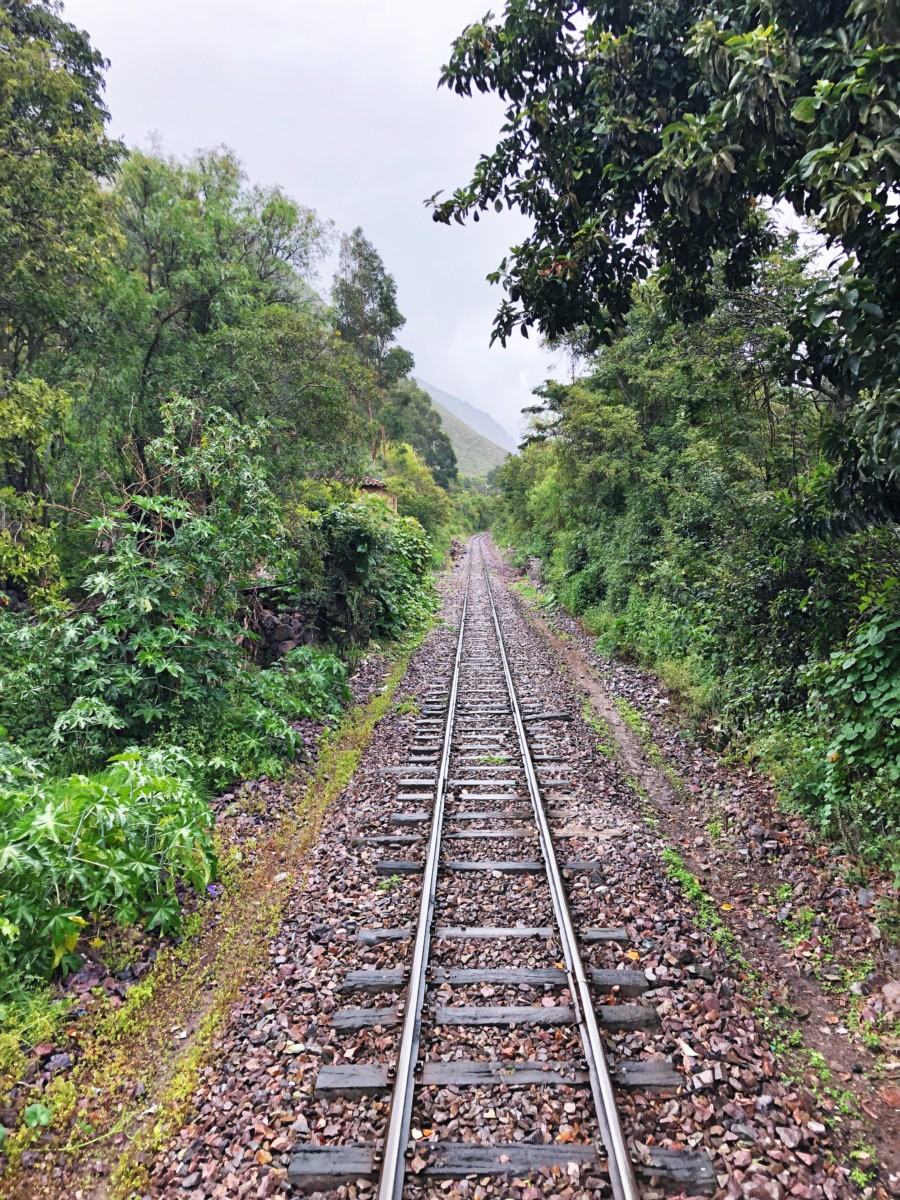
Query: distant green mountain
x,y
475,418
475,454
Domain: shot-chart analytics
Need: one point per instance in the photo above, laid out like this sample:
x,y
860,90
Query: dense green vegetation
x,y
642,137
183,422
719,493
674,492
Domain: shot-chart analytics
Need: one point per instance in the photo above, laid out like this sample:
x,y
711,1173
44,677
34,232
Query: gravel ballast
x,y
766,1138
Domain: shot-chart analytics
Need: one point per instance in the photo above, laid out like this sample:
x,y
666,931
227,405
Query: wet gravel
x,y
257,1097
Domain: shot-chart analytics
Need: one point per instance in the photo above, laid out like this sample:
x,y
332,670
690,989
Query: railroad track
x,y
486,778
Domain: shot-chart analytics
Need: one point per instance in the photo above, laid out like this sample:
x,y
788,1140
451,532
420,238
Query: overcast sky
x,y
337,101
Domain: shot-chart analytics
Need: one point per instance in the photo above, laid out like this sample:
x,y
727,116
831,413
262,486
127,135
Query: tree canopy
x,y
130,280
660,490
54,231
644,136
407,416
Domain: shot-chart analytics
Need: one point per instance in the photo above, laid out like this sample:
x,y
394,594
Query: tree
x,y
291,370
659,490
57,243
407,416
202,254
644,135
56,237
54,229
202,251
365,301
418,494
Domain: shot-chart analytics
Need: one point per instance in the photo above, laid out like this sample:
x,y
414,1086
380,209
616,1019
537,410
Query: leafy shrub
x,y
163,643
250,733
16,767
112,846
161,617
856,696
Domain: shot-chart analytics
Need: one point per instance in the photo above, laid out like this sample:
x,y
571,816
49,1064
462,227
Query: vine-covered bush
x,y
375,567
856,692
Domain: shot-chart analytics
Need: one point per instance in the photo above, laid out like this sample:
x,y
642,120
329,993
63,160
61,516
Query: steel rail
x,y
393,1168
621,1172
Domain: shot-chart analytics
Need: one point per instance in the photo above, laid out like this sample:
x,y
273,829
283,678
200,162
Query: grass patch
x,y
534,595
606,743
640,727
632,719
799,927
28,1016
638,788
705,905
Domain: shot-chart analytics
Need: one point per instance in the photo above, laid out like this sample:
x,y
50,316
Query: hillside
x,y
475,454
475,418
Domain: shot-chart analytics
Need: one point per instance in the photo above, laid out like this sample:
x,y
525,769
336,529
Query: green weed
x,y
632,719
799,927
702,901
388,885
607,744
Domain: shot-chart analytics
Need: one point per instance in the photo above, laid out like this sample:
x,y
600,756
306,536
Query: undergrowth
x,y
195,982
